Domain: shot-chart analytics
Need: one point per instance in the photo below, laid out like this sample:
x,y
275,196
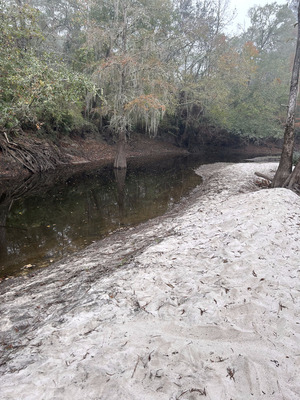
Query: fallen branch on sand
x,y
260,175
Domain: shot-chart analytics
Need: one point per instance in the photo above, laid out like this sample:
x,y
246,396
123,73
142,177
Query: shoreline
x,y
82,153
202,301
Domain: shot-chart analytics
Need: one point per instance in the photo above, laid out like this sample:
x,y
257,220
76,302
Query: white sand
x,y
207,306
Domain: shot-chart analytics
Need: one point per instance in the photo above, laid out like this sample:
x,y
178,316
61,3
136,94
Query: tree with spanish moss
x,y
131,70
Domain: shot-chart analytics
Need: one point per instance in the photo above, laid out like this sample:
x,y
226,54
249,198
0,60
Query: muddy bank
x,y
79,151
201,302
82,151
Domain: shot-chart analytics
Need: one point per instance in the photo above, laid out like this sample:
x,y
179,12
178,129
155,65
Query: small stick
x,y
138,359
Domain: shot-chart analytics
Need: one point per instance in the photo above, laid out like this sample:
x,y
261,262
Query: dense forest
x,y
167,67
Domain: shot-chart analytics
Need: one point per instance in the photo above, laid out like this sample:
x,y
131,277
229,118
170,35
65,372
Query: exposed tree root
x,y
266,177
33,154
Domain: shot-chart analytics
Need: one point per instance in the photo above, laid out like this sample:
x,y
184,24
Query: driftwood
x,y
266,177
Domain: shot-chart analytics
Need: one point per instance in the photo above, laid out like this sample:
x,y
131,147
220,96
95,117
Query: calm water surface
x,y
45,218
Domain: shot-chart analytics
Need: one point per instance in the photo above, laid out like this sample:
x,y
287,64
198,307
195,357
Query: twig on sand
x,y
202,311
202,392
281,307
230,373
219,360
136,364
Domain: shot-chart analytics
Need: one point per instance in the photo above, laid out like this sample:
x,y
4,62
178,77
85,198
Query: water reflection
x,y
120,176
47,217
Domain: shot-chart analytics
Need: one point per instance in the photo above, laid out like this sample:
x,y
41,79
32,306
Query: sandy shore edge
x,y
200,303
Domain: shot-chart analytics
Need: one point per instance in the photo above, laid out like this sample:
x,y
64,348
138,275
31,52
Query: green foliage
x,y
261,110
270,26
35,94
37,91
242,85
147,59
127,38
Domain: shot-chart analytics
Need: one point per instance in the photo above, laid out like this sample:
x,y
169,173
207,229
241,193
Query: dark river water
x,y
45,218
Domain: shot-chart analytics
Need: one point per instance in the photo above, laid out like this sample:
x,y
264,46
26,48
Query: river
x,y
45,218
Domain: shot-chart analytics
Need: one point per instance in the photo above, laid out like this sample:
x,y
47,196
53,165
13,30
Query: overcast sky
x,y
242,6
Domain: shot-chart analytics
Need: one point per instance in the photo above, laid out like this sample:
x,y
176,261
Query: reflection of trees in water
x,y
3,217
151,193
26,208
78,209
120,176
15,190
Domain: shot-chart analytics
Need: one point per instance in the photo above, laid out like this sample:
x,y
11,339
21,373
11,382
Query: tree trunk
x,y
285,166
120,160
293,181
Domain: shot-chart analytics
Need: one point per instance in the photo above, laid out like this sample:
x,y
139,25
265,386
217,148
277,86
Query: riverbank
x,y
80,151
203,302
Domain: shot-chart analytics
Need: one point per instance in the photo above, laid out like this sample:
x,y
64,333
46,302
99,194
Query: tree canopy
x,y
127,66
